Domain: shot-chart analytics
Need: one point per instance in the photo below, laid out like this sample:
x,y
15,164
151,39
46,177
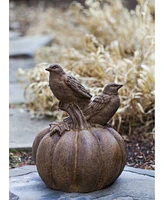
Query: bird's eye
x,y
113,85
54,67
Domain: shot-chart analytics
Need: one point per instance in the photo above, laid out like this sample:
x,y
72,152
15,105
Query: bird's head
x,y
112,88
55,68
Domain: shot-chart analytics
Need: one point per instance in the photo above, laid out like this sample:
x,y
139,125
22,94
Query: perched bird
x,y
99,111
104,106
68,90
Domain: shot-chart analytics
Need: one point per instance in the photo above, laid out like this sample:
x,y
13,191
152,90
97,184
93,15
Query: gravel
x,y
139,146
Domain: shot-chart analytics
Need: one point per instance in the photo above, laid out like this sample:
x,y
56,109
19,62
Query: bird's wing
x,y
79,89
96,105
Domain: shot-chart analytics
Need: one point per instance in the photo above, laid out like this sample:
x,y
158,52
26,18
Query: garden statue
x,y
83,153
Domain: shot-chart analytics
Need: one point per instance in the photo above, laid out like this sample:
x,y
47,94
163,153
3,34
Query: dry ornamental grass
x,y
100,43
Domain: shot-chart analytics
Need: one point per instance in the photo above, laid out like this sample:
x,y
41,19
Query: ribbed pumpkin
x,y
79,161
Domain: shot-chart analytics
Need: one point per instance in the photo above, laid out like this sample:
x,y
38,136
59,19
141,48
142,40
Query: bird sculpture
x,y
104,106
73,97
99,111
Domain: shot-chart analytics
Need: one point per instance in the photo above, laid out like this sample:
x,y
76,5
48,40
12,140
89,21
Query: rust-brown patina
x,y
79,161
80,154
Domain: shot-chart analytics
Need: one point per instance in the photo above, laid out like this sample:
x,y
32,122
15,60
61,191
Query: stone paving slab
x,y
133,184
15,64
22,129
13,196
28,45
13,35
16,93
16,90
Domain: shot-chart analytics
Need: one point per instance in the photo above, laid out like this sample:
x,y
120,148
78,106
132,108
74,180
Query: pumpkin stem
x,y
78,114
68,107
78,120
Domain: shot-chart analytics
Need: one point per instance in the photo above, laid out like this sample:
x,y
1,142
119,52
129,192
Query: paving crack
x,y
22,174
153,176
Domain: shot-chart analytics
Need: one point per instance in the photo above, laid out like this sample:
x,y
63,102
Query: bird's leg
x,y
82,124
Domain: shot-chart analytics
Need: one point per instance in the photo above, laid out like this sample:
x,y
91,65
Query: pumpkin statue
x,y
82,153
79,161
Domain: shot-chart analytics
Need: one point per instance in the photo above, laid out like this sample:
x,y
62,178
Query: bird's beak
x,y
48,69
119,86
